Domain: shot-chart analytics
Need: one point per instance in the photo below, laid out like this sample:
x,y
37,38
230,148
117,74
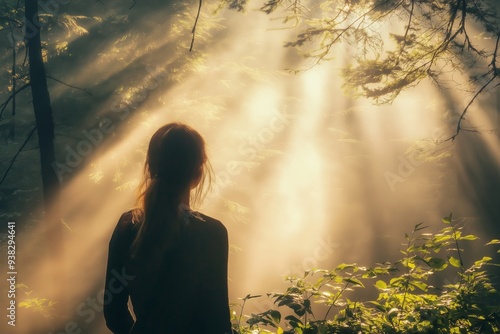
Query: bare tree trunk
x,y
45,129
43,111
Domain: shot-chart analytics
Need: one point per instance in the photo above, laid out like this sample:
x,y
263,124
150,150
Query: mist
x,y
306,175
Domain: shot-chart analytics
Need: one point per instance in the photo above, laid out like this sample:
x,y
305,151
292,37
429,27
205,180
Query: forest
x,y
354,143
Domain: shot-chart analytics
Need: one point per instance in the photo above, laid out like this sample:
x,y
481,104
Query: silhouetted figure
x,y
171,261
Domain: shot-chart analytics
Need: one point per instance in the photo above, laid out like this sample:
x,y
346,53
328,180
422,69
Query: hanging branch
x,y
494,74
18,152
66,84
464,112
405,37
193,32
4,105
494,58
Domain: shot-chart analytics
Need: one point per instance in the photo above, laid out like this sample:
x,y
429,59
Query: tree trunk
x,y
45,129
43,111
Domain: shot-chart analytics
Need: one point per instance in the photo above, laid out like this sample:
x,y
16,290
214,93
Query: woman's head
x,y
176,158
176,162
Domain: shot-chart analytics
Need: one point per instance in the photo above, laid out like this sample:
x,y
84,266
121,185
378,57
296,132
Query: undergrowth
x,y
407,302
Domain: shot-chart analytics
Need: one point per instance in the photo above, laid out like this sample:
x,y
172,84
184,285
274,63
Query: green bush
x,y
406,302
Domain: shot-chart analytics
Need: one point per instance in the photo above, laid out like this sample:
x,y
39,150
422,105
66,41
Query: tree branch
x,y
14,63
4,105
495,74
407,29
18,152
71,86
343,31
462,116
8,19
347,30
195,25
494,57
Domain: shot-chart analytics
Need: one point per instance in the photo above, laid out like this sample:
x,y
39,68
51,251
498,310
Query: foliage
x,y
42,306
426,35
38,305
395,44
319,302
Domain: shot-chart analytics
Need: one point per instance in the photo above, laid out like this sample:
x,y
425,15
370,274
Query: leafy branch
x,y
406,302
434,39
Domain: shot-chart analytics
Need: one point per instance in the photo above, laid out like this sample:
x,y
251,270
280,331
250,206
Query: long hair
x,y
175,161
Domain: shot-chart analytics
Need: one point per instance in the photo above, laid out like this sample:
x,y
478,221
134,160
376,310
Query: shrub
x,y
407,302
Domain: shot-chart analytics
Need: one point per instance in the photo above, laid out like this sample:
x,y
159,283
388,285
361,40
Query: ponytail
x,y
176,158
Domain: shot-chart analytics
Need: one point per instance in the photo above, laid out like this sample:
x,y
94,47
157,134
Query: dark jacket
x,y
186,294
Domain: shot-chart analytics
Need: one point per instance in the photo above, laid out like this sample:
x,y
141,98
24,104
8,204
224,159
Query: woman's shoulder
x,y
208,222
127,223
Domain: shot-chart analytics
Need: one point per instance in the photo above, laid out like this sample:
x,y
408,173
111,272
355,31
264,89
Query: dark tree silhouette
x,y
44,122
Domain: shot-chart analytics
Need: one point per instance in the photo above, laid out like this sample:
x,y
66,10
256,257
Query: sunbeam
x,y
305,176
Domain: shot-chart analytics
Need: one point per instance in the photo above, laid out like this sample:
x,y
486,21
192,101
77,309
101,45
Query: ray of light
x,y
305,176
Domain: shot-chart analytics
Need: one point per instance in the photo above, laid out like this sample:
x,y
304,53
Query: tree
x,y
428,39
42,109
36,80
24,31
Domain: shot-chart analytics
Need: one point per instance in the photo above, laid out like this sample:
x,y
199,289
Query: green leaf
x,y
437,263
343,266
381,284
493,242
483,260
419,227
379,306
408,263
469,237
396,281
297,308
392,312
421,285
293,319
354,281
447,220
276,315
442,238
455,262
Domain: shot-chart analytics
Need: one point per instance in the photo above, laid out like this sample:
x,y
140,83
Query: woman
x,y
174,260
